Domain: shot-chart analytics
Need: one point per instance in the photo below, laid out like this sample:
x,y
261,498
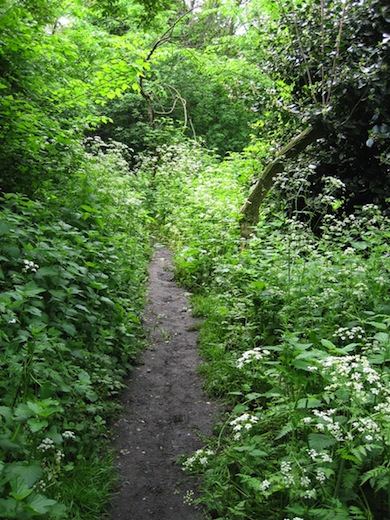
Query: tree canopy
x,y
232,74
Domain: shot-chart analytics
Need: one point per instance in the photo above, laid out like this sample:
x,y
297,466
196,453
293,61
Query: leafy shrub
x,y
295,338
72,274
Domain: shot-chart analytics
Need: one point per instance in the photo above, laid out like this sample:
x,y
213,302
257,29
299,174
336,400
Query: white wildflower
x,y
46,444
265,485
67,434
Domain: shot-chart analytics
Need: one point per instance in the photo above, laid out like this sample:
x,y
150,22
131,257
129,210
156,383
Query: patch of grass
x,y
87,489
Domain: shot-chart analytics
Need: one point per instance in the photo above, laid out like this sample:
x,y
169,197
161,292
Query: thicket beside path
x,y
165,408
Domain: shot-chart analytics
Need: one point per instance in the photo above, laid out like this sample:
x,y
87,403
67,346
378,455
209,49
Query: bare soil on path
x,y
165,409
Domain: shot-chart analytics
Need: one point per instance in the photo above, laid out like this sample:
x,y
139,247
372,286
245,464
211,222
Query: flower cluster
x,y
292,181
354,377
285,470
325,422
30,266
188,498
59,455
265,485
67,434
321,456
353,372
242,423
255,354
332,183
368,427
200,457
344,333
46,445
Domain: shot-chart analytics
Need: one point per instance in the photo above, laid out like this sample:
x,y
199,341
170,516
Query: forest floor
x,y
165,410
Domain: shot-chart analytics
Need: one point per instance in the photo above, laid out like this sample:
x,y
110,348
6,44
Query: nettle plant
x,y
72,272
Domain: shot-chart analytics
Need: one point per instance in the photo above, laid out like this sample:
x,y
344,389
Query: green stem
x,y
339,478
16,433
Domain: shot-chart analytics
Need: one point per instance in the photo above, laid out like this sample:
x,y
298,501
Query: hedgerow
x,y
72,277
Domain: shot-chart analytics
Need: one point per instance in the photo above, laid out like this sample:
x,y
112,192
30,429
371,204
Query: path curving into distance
x,y
165,408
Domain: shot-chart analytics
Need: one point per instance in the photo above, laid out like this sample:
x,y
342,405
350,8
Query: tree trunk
x,y
250,210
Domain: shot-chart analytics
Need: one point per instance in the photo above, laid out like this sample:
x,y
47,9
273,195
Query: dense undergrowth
x,y
295,338
72,277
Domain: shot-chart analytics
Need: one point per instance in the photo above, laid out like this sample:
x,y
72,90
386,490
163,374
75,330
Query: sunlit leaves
x,y
72,278
54,70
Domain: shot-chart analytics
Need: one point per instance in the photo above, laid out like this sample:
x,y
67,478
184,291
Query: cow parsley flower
x,y
30,266
67,434
255,354
265,485
46,444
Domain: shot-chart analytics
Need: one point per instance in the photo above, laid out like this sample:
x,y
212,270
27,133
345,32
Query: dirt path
x,y
165,408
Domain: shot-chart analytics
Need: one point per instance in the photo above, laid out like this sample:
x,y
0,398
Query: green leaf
x,y
37,425
35,311
319,441
44,408
40,504
19,489
309,402
29,473
6,412
253,396
69,328
328,344
359,245
46,271
378,325
259,285
31,289
11,251
107,301
288,428
5,227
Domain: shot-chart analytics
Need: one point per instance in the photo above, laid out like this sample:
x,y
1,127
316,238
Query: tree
x,y
55,67
207,87
334,59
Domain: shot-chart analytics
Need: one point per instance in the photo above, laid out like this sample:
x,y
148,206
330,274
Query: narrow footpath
x,y
165,408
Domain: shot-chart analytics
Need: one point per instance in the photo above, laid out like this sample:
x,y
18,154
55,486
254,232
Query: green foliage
x,y
333,58
296,320
72,272
54,65
222,95
295,339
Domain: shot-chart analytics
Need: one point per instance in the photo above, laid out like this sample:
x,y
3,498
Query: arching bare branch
x,y
166,36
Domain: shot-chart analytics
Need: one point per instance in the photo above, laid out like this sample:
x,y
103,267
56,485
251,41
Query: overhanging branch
x,y
250,210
